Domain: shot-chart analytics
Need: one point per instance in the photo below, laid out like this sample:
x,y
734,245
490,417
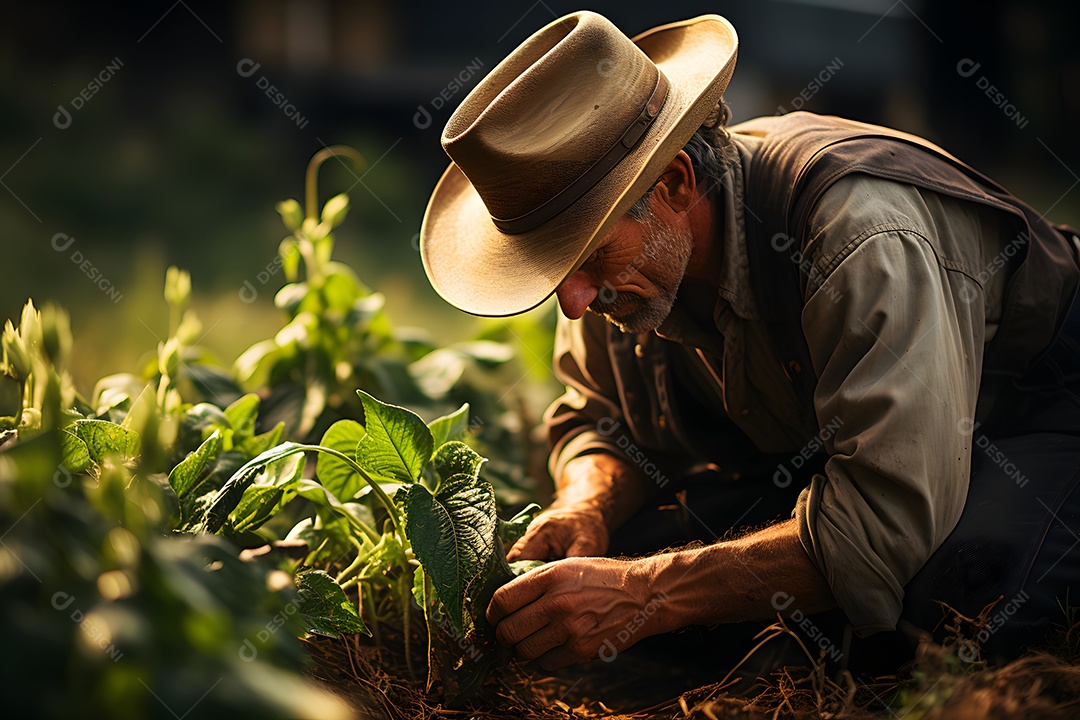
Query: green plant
x,y
104,613
394,515
338,337
442,539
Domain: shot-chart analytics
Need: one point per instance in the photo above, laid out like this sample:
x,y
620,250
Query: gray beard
x,y
669,251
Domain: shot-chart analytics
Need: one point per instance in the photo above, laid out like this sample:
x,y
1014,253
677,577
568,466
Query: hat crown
x,y
548,113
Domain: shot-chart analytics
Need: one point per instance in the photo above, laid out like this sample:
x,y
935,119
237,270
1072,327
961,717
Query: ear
x,y
677,187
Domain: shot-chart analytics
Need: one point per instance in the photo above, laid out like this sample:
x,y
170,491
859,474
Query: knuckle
x,y
504,633
578,648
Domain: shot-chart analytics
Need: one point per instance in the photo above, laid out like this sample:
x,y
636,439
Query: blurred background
x,y
135,135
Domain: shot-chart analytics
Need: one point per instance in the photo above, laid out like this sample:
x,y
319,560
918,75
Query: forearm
x,y
737,580
604,483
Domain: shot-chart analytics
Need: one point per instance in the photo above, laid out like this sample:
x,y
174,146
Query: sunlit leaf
x,y
453,536
333,472
397,445
437,372
104,438
193,470
450,427
268,494
514,528
241,416
457,458
259,444
326,607
73,451
228,497
486,351
290,212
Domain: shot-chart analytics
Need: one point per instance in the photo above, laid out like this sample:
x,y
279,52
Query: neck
x,y
698,288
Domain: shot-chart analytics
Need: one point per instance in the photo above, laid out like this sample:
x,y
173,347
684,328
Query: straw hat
x,y
556,144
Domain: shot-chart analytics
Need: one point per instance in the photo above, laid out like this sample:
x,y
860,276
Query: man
x,y
870,364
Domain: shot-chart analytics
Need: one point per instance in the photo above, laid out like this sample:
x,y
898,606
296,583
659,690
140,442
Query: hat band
x,y
585,182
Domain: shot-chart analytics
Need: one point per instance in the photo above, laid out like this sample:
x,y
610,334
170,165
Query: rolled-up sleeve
x,y
897,352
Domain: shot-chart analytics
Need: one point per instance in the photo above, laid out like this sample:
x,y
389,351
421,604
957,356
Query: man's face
x,y
633,277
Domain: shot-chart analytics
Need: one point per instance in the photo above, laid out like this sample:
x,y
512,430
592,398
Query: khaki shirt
x,y
903,291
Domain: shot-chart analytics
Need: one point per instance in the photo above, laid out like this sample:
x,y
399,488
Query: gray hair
x,y
707,156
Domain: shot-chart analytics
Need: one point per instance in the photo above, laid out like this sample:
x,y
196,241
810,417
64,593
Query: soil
x,y
374,679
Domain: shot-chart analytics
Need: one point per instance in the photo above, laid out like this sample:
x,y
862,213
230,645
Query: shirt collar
x,y
733,282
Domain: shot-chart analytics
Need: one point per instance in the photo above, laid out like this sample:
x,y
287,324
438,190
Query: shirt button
x,y
639,350
662,421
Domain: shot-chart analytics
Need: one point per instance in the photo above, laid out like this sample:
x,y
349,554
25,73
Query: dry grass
x,y
938,686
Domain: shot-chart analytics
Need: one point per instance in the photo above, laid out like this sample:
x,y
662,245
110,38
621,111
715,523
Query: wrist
x,y
674,581
602,483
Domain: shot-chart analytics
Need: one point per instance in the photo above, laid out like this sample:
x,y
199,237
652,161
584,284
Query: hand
x,y
574,610
562,532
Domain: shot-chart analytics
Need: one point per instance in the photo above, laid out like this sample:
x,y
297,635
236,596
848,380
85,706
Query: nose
x,y
575,294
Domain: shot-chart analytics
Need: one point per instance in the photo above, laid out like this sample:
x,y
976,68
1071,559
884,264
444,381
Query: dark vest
x,y
803,154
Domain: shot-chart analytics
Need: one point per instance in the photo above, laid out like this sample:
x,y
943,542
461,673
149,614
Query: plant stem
x,y
311,196
361,556
405,594
367,599
430,634
395,516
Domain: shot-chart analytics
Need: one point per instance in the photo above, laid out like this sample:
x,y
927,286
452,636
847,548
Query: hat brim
x,y
484,271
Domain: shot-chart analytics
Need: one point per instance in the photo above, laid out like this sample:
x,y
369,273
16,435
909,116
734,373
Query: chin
x,y
648,316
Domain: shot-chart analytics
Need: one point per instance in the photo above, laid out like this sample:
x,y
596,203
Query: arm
x,y
574,610
596,494
897,351
596,489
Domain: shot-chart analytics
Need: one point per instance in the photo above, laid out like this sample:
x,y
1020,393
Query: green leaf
x,y
511,530
450,427
486,351
333,472
113,390
397,445
437,372
204,419
338,522
229,496
457,458
74,453
339,292
261,443
520,567
326,607
103,438
241,416
271,491
453,536
193,470
418,588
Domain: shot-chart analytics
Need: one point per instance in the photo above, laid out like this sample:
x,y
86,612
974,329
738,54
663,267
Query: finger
x,y
515,594
537,547
589,545
518,627
546,639
560,657
538,543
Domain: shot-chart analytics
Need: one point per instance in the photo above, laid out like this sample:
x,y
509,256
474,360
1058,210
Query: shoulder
x,y
861,208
